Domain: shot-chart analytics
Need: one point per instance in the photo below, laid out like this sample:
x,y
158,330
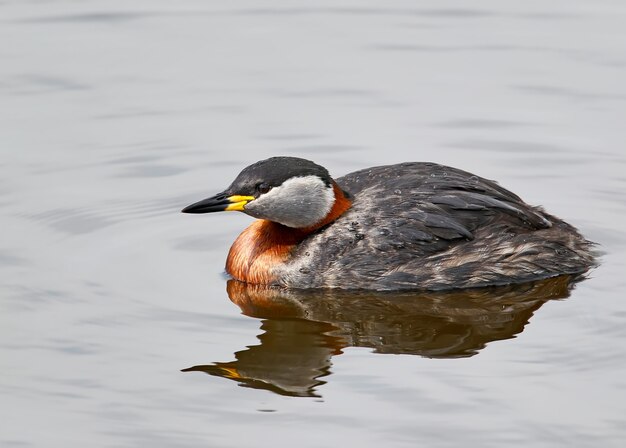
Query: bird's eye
x,y
263,188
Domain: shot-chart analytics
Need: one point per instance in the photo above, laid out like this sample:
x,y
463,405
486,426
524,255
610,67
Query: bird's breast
x,y
259,249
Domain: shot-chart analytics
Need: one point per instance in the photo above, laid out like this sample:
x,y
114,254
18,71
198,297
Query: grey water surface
x,y
115,115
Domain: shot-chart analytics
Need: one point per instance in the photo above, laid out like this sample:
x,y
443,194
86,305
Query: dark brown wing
x,y
426,202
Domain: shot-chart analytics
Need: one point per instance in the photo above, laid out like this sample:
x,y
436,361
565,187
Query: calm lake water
x,y
115,115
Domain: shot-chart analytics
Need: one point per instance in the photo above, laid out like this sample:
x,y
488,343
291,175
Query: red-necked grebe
x,y
404,226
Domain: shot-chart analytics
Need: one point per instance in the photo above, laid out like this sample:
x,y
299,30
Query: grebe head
x,y
288,190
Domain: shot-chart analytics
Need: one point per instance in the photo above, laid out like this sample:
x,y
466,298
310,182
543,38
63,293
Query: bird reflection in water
x,y
303,330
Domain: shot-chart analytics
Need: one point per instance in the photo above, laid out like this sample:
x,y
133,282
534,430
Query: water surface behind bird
x,y
115,115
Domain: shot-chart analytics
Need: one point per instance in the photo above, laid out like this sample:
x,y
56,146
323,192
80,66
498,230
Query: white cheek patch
x,y
298,202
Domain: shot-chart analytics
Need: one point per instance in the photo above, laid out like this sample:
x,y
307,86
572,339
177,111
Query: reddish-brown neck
x,y
265,244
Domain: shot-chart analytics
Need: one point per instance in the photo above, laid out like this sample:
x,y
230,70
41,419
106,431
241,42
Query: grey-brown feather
x,y
427,226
